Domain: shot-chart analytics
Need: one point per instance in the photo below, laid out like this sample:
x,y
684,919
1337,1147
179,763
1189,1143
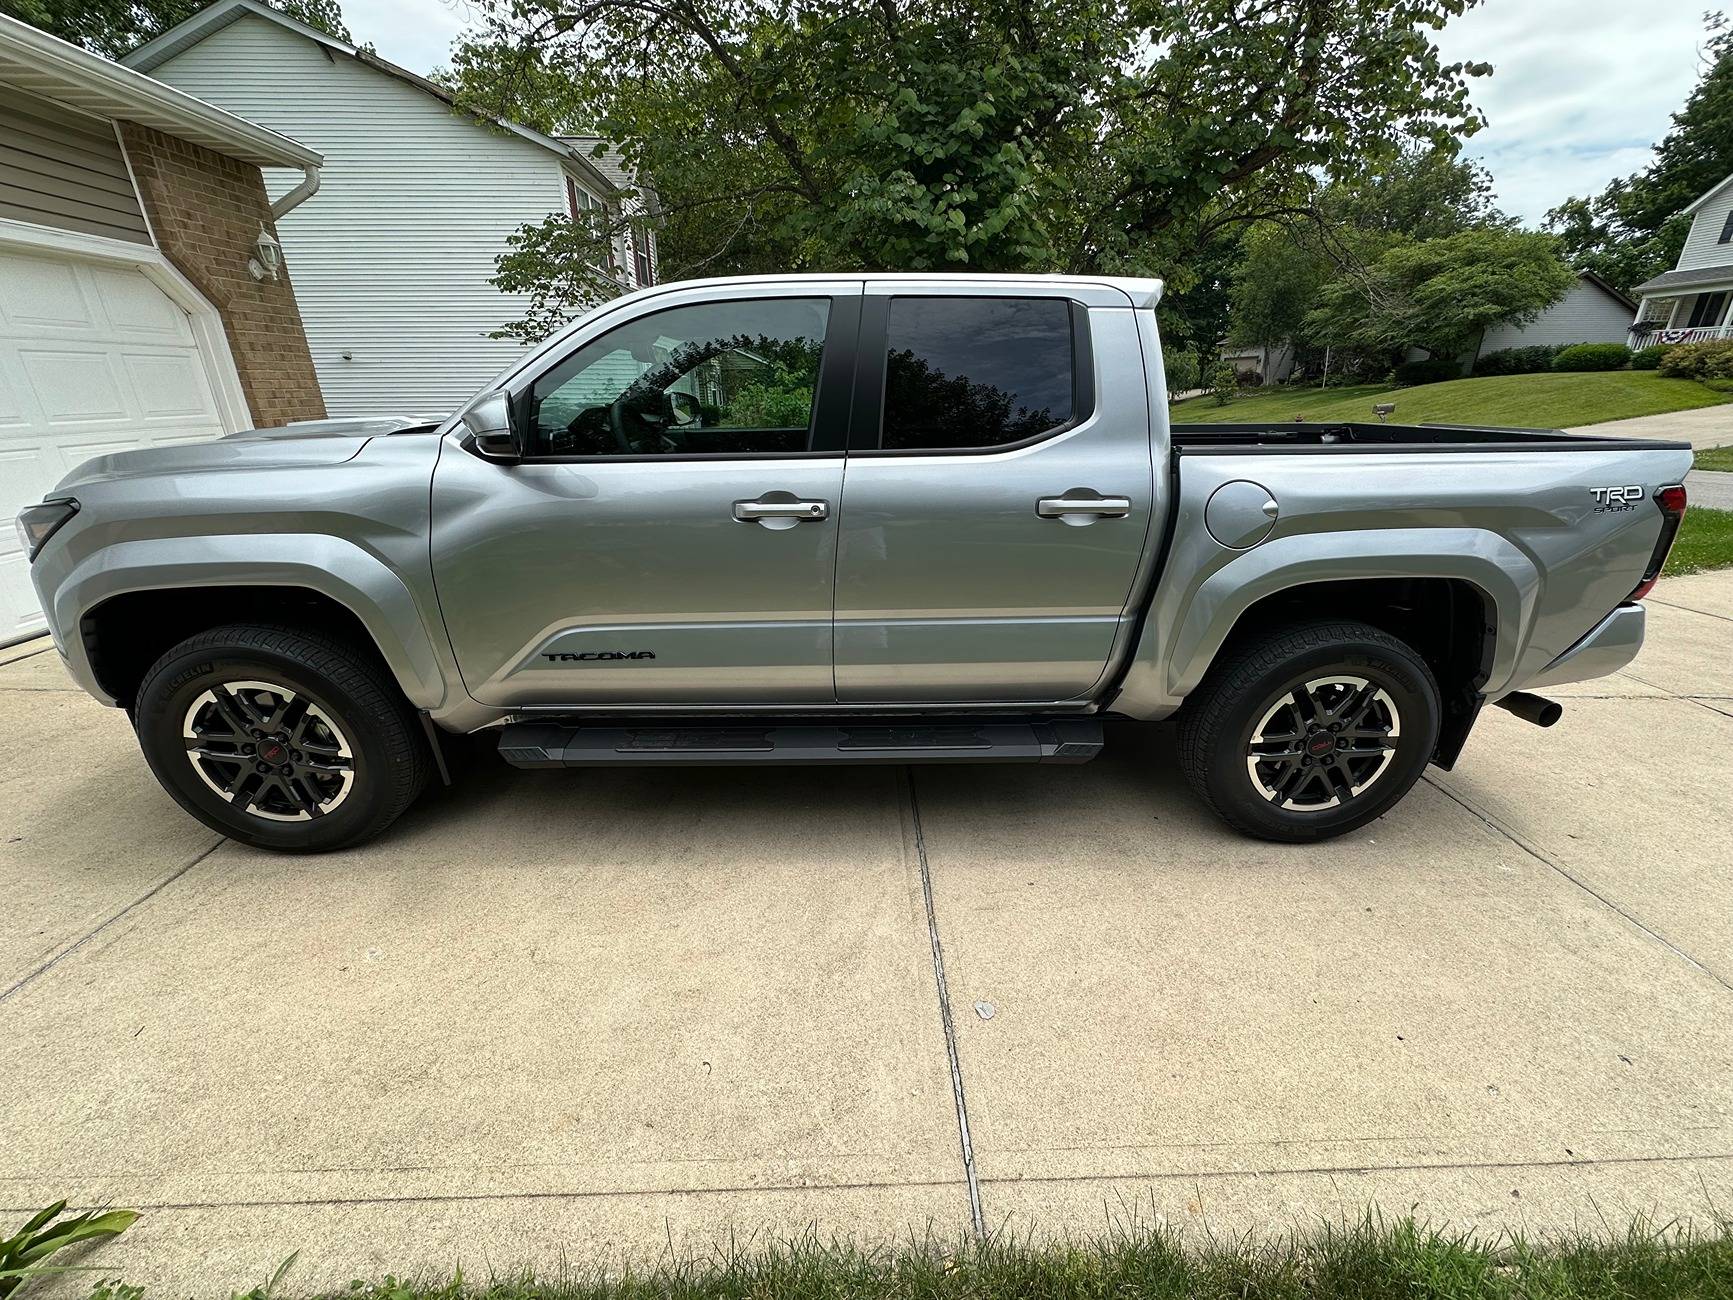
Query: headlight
x,y
36,524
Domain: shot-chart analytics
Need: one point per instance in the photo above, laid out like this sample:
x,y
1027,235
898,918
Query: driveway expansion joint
x,y
30,976
1503,830
950,1030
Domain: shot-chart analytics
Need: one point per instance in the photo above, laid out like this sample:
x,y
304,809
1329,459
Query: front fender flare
x,y
1193,615
331,566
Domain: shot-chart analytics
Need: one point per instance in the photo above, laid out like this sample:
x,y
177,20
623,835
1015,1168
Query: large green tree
x,y
1286,262
1633,229
1440,294
112,27
1070,135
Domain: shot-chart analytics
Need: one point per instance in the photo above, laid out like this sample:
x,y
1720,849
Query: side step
x,y
542,744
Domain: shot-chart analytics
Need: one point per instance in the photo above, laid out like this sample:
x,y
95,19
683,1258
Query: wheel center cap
x,y
1320,743
272,752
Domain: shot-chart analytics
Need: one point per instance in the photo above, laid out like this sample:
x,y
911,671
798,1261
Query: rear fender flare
x,y
1200,615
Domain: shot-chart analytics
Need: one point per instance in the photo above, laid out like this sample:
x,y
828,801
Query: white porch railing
x,y
1697,334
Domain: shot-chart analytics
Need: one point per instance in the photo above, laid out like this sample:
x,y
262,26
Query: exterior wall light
x,y
267,258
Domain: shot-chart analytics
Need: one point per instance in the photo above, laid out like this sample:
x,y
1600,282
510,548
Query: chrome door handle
x,y
1105,507
747,511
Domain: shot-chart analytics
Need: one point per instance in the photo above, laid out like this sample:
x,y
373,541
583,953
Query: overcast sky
x,y
1581,89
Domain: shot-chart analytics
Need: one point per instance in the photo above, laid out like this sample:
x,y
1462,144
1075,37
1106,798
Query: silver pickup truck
x,y
841,519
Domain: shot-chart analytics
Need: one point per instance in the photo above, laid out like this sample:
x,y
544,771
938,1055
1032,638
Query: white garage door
x,y
94,358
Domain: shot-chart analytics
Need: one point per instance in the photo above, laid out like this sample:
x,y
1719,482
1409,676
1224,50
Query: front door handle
x,y
780,510
1083,503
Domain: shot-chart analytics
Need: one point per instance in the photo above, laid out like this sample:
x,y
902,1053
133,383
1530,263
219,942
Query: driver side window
x,y
712,377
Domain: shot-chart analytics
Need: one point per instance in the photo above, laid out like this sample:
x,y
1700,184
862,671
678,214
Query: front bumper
x,y
1609,646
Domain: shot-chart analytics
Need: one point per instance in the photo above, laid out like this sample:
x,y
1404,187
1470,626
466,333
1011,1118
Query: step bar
x,y
542,745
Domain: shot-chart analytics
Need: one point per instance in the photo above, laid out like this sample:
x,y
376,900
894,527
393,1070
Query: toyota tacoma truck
x,y
841,519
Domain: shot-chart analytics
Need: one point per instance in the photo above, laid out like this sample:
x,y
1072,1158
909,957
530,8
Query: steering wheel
x,y
617,427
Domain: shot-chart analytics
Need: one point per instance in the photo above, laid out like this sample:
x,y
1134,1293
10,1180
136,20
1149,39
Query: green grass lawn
x,y
1705,542
1545,401
1720,458
1373,1260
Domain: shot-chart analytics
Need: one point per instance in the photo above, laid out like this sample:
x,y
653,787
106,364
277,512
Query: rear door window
x,y
965,373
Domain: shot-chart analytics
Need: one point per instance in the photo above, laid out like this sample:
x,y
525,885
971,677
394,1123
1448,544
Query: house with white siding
x,y
1693,301
1592,311
417,199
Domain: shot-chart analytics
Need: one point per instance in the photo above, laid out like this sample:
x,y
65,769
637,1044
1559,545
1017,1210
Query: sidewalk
x,y
1707,426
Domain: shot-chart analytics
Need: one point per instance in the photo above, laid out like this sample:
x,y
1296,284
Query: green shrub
x,y
1517,361
1592,356
1220,382
1433,370
1713,360
1182,371
1648,358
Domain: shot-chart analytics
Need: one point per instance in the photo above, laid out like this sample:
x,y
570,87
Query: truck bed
x,y
1329,435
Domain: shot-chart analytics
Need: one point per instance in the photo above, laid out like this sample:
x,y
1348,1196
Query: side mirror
x,y
491,435
683,408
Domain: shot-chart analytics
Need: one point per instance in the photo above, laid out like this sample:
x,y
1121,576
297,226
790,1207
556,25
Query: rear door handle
x,y
791,508
1104,507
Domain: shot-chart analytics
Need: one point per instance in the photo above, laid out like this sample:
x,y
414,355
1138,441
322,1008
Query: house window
x,y
580,200
641,260
1708,310
1726,229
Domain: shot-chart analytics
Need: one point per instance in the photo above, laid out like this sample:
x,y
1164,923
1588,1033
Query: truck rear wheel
x,y
279,738
1310,731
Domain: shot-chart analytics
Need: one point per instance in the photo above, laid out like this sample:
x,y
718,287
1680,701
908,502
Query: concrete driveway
x,y
567,1016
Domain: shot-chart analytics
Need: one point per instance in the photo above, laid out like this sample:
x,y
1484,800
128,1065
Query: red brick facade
x,y
205,210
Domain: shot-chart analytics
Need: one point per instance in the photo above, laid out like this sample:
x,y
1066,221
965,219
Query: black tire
x,y
365,757
1279,684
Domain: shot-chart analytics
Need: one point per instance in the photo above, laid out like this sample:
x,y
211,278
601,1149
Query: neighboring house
x,y
1272,363
417,199
136,305
1693,301
1592,311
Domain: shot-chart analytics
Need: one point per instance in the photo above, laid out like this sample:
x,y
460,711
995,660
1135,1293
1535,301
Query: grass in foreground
x,y
1371,1259
1720,458
1545,401
1705,542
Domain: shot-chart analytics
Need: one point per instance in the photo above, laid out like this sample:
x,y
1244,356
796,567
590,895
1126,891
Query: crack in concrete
x,y
1692,609
1157,1176
28,654
1572,1163
142,899
975,1216
440,1197
1576,880
1701,701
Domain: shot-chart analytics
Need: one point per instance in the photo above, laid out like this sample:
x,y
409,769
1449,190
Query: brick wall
x,y
206,209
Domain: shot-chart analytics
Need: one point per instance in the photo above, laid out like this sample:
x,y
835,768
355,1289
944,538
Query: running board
x,y
539,744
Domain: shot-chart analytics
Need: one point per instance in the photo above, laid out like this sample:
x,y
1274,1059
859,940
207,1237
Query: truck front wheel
x,y
1309,731
280,738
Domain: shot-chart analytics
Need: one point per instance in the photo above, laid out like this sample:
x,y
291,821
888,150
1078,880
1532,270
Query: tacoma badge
x,y
589,655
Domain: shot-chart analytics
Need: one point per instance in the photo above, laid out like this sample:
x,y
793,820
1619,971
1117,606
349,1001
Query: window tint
x,y
976,372
714,377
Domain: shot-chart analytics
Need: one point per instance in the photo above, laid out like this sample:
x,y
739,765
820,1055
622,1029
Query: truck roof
x,y
1143,292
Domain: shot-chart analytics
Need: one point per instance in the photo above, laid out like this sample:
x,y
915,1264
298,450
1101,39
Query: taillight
x,y
1671,499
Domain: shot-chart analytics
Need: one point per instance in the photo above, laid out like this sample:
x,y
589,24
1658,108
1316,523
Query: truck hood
x,y
311,442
